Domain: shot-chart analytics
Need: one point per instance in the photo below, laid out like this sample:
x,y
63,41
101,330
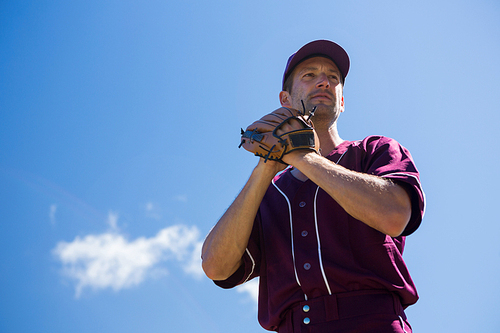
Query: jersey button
x,y
302,204
304,233
307,320
307,266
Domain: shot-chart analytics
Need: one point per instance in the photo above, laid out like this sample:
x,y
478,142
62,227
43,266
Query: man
x,y
325,236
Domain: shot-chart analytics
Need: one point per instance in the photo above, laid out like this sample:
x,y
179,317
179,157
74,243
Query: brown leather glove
x,y
261,138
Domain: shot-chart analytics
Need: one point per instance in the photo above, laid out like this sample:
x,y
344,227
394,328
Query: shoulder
x,y
378,144
375,141
378,155
359,150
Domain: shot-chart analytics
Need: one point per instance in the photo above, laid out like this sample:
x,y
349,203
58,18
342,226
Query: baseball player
x,y
326,235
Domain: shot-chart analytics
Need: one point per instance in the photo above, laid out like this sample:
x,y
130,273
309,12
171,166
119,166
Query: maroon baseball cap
x,y
319,48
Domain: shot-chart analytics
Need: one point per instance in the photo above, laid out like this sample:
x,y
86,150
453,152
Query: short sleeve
x,y
386,158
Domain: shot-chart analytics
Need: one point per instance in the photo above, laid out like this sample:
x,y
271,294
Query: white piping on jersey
x,y
317,235
342,155
253,265
402,322
418,182
319,243
291,233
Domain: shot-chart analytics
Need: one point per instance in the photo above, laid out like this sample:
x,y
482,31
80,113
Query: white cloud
x,y
252,288
193,264
110,260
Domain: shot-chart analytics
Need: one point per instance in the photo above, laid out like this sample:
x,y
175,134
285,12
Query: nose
x,y
323,81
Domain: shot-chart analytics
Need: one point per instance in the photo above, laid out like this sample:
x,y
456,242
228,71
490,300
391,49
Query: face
x,y
317,82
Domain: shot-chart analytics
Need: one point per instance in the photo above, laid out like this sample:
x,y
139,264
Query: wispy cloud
x,y
152,210
110,260
113,221
52,214
181,198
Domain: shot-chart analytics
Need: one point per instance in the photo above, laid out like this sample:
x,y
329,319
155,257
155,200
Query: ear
x,y
285,99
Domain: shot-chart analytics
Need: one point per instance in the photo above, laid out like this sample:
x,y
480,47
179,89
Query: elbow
x,y
400,214
210,271
395,231
398,222
214,271
208,266
217,266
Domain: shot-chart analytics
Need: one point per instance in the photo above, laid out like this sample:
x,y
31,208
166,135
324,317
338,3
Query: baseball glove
x,y
261,139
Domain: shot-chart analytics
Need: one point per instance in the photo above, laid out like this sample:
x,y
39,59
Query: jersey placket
x,y
305,239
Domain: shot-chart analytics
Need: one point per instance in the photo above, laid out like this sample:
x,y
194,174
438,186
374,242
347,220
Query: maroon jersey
x,y
304,245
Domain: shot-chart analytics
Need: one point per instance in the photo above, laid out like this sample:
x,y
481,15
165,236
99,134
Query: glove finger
x,y
268,146
269,122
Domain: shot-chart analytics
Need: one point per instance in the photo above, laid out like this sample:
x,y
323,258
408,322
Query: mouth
x,y
321,99
322,96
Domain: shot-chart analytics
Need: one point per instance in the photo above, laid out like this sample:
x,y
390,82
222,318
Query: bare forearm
x,y
376,201
225,245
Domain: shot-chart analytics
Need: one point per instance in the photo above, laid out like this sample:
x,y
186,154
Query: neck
x,y
329,138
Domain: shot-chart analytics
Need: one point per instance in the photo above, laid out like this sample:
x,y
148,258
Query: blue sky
x,y
119,128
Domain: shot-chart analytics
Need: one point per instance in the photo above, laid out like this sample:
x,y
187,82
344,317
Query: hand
x,y
294,125
270,166
261,138
290,125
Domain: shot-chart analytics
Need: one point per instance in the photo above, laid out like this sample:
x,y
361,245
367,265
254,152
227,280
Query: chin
x,y
322,107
